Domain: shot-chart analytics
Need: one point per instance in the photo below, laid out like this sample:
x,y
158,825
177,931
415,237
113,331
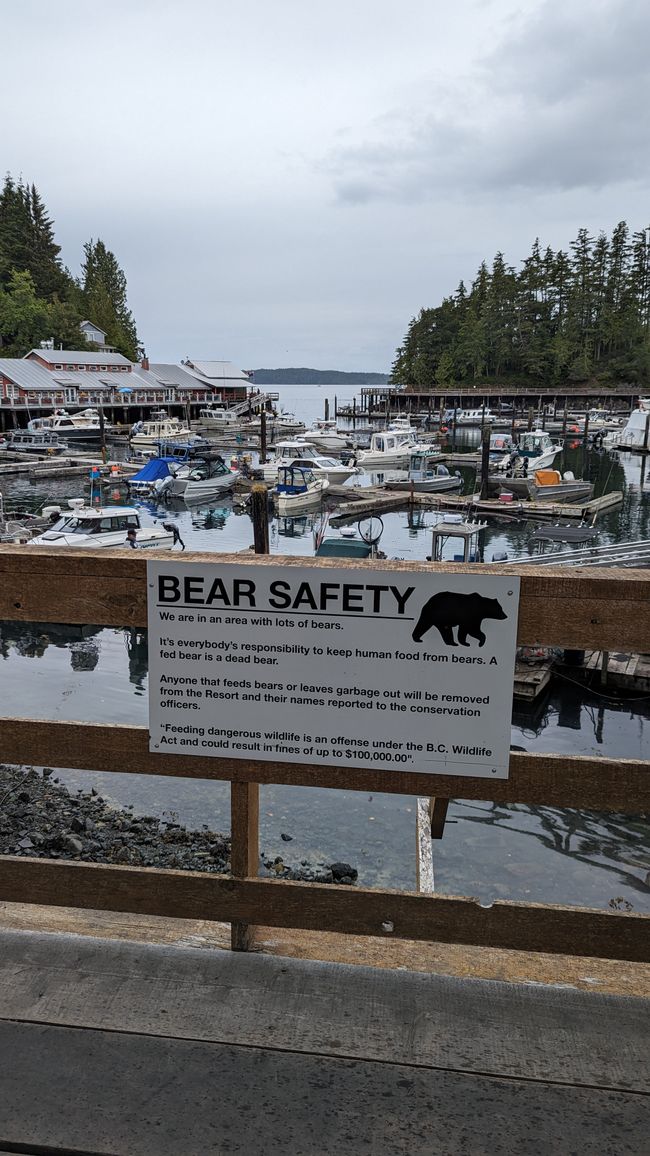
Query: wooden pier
x,y
380,501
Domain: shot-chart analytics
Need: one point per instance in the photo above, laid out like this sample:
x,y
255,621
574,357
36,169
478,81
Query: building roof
x,y
78,357
221,371
27,374
177,375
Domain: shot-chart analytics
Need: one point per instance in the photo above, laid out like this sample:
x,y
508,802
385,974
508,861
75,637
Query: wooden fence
x,y
571,608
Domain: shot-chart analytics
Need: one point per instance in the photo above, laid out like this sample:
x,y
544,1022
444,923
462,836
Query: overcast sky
x,y
287,183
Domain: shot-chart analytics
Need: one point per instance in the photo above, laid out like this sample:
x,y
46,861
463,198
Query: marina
x,y
375,835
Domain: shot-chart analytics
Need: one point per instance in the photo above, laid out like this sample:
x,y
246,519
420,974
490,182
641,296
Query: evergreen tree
x,y
104,298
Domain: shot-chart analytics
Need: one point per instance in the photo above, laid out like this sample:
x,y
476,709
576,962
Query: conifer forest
x,y
40,300
562,318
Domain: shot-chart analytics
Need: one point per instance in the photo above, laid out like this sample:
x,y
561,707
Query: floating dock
x,y
380,501
531,679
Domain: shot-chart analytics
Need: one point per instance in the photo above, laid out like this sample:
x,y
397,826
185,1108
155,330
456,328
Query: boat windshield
x,y
82,525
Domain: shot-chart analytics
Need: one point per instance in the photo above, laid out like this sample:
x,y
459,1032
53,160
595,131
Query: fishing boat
x,y
321,467
547,486
145,434
390,449
476,417
636,434
427,475
96,527
26,441
533,450
83,426
285,451
219,418
200,479
297,490
325,436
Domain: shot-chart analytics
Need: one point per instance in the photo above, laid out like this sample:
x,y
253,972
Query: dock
x,y
625,672
379,501
531,679
154,1049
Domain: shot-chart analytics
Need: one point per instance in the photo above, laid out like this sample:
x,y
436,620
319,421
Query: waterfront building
x,y
49,378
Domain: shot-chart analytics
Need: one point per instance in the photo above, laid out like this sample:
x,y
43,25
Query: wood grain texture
x,y
573,607
245,848
552,780
351,910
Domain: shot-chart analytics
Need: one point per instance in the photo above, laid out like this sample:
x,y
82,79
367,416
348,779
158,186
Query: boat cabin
x,y
36,441
423,467
294,479
451,527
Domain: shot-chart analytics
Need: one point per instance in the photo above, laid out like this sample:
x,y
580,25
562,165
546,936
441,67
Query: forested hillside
x,y
563,317
305,376
39,297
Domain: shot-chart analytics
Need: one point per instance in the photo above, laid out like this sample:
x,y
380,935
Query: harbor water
x,y
519,852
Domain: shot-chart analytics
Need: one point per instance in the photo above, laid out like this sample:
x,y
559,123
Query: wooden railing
x,y
571,608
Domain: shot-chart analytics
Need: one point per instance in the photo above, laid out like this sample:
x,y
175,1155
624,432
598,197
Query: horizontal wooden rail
x,y
312,906
572,607
554,780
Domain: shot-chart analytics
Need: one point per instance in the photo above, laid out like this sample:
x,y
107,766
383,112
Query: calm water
x,y
518,852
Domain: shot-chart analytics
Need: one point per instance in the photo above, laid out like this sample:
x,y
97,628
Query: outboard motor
x,y
172,529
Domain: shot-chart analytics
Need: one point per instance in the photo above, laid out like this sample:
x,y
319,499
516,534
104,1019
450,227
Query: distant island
x,y
304,376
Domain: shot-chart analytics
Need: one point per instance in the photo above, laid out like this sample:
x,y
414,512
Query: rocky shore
x,y
40,818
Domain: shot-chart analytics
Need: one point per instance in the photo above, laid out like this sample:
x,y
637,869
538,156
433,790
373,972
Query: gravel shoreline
x,y
40,818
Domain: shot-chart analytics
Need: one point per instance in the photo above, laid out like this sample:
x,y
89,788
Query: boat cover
x,y
343,548
154,469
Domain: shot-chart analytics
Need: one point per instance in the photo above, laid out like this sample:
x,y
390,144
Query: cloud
x,y
559,104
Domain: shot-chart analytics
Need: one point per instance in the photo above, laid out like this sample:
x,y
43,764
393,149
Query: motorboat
x,y
547,486
285,452
297,490
390,449
220,418
325,436
475,417
427,475
533,450
145,434
321,467
83,426
26,441
95,527
198,480
500,445
636,433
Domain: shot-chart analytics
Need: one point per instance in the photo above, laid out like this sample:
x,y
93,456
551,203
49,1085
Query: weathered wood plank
x,y
424,877
529,1031
554,780
351,910
66,1091
572,607
245,848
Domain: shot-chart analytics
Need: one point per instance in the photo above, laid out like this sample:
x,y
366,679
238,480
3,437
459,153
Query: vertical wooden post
x,y
102,433
244,851
564,420
485,461
604,667
646,434
260,516
354,413
530,418
327,409
263,435
336,412
437,815
245,797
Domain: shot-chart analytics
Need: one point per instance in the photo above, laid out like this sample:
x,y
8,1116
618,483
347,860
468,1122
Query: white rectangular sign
x,y
364,667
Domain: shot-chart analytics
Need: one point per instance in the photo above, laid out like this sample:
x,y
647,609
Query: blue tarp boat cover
x,y
154,469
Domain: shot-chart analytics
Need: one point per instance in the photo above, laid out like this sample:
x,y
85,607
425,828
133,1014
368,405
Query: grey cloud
x,y
560,104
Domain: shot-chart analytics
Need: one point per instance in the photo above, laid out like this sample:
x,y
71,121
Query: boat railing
x,y
594,610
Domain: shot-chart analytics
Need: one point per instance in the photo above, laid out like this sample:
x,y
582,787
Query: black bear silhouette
x,y
466,611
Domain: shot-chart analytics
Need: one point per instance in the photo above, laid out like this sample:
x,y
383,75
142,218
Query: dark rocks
x,y
39,818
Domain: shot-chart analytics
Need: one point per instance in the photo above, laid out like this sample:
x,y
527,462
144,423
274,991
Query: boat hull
x,y
431,486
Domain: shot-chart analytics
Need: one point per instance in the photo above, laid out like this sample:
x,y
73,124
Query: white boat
x,y
325,436
475,417
298,490
222,419
145,434
390,449
99,526
633,435
285,452
83,426
427,475
534,450
199,479
321,467
27,441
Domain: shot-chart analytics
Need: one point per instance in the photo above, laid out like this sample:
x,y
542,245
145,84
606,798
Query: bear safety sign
x,y
361,666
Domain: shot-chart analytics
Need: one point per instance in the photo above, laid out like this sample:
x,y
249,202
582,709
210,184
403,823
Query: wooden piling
x,y
263,437
485,461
